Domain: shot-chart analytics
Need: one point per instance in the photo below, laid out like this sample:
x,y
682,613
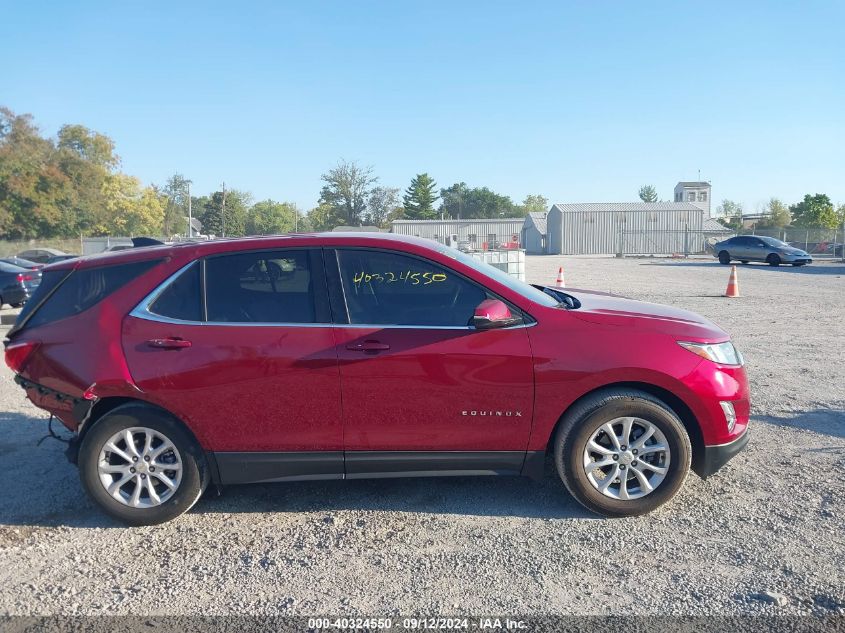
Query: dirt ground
x,y
765,535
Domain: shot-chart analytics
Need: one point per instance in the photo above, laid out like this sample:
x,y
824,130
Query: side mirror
x,y
492,313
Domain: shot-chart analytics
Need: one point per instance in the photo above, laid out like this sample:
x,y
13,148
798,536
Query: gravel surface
x,y
765,535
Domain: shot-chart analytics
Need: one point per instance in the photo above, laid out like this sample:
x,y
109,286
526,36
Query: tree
x,y
346,192
814,212
534,204
730,214
324,218
382,206
34,191
271,218
176,205
459,201
211,214
92,146
777,215
420,197
648,193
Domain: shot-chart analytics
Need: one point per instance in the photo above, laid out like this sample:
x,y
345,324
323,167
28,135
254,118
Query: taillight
x,y
22,277
18,353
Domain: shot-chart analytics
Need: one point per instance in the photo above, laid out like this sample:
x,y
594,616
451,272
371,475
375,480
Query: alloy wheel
x,y
140,467
626,458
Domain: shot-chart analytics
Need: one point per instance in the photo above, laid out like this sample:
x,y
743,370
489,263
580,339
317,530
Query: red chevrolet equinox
x,y
345,355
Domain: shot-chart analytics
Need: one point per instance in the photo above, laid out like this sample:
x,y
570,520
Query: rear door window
x,y
182,299
260,287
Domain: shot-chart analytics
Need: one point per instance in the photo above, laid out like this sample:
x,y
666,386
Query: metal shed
x,y
478,234
535,233
625,228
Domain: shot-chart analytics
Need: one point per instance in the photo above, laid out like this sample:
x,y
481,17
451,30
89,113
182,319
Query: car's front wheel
x,y
141,466
622,452
773,260
724,257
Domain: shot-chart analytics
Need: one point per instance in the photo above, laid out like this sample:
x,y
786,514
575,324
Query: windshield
x,y
774,242
520,287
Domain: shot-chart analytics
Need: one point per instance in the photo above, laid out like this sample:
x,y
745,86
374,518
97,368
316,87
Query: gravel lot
x,y
772,521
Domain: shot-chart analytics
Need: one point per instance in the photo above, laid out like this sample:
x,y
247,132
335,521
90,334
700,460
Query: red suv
x,y
334,356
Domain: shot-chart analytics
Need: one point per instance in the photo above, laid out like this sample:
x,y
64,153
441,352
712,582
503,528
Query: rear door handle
x,y
168,343
368,346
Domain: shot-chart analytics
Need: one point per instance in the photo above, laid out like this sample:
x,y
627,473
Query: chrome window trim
x,y
142,311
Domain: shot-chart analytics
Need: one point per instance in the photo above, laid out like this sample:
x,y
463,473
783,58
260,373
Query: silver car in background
x,y
755,248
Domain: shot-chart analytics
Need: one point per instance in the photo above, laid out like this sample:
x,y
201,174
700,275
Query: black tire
x,y
724,257
586,416
744,261
195,473
773,260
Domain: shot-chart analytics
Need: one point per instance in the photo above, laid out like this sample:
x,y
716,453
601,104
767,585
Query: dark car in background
x,y
17,284
41,255
60,258
757,248
21,262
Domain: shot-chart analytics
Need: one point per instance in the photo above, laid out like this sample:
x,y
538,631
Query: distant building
x,y
624,228
358,229
697,193
475,234
535,234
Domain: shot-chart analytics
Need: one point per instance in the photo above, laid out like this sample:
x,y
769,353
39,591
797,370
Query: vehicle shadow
x,y
816,268
823,421
42,489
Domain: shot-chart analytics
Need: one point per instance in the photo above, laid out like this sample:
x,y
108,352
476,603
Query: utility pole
x,y
190,217
223,213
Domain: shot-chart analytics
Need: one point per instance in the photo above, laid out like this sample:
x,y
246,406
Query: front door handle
x,y
368,346
169,343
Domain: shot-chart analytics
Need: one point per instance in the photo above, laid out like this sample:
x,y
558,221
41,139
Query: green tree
x,y
269,217
324,217
346,191
814,212
777,215
729,213
34,191
419,198
96,148
459,201
534,204
382,206
176,206
648,193
211,214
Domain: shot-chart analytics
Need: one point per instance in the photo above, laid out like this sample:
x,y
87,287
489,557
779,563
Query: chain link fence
x,y
820,243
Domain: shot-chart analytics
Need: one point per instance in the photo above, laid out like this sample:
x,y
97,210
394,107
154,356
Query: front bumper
x,y
795,259
715,457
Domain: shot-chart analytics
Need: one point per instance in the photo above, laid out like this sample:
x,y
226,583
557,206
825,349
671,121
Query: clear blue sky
x,y
578,101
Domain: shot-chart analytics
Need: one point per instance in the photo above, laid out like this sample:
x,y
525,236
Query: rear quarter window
x,y
62,294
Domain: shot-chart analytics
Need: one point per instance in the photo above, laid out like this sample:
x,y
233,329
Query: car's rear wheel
x,y
724,257
141,466
622,452
773,260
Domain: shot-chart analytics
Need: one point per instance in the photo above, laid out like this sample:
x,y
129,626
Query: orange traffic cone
x,y
733,284
560,283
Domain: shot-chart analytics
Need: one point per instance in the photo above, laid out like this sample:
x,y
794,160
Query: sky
x,y
576,101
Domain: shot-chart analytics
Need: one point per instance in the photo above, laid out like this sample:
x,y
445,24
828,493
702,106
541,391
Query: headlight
x,y
722,353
